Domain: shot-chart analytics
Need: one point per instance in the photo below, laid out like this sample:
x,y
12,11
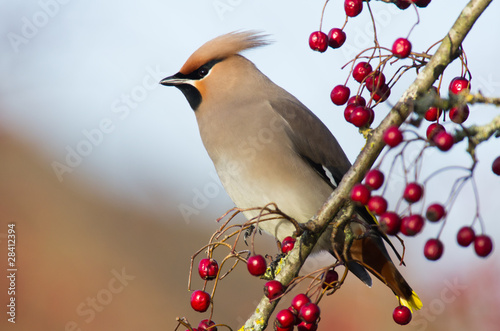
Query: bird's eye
x,y
202,72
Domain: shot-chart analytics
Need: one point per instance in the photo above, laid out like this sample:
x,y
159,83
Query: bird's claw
x,y
248,233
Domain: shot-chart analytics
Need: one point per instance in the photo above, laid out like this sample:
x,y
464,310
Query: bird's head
x,y
214,66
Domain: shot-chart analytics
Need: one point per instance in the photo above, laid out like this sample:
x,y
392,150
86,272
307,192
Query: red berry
x,y
422,3
412,225
435,212
318,41
200,301
432,114
360,116
402,4
459,85
303,326
287,244
291,309
381,94
390,223
372,115
374,179
208,269
357,100
444,141
413,192
300,300
277,328
285,319
377,205
433,249
340,94
330,278
353,7
375,81
434,129
402,315
465,236
207,325
256,265
336,38
348,111
459,114
483,245
361,70
401,48
273,289
309,312
360,193
393,136
495,166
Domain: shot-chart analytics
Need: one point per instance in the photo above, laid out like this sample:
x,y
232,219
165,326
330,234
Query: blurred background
x,y
104,174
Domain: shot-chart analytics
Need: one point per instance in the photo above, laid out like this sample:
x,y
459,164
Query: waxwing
x,y
268,147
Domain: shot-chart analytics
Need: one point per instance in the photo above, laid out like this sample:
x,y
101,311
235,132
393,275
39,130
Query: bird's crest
x,y
222,47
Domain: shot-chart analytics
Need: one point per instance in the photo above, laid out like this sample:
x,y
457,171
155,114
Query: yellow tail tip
x,y
412,303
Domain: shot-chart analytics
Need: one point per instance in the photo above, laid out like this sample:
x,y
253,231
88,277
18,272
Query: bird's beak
x,y
175,80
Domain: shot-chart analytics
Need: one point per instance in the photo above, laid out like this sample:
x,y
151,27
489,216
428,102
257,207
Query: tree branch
x,y
445,54
479,133
480,98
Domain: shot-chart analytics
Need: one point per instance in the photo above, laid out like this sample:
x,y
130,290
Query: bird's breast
x,y
257,164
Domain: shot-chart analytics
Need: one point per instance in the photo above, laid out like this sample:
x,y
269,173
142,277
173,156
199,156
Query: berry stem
x,y
416,23
322,14
375,40
345,23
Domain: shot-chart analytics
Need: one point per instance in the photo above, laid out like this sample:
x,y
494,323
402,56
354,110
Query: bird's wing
x,y
312,140
316,144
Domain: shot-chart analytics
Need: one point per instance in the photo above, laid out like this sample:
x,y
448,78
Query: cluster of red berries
x,y
257,265
319,41
302,313
410,225
208,269
436,133
483,245
356,111
390,222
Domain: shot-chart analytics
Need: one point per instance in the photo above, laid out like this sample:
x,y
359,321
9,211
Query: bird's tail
x,y
413,302
371,254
